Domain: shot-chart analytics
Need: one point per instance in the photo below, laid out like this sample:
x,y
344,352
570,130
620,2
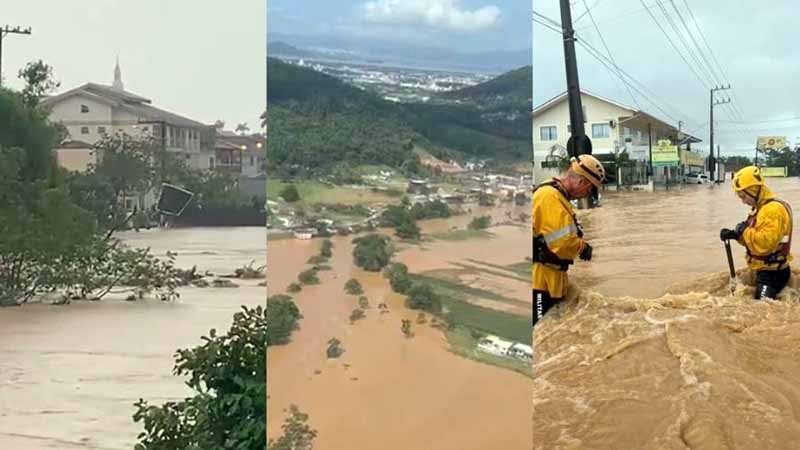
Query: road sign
x,y
766,143
665,154
774,171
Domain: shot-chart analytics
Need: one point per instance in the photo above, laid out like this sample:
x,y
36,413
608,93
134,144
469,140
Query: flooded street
x,y
387,391
69,375
652,337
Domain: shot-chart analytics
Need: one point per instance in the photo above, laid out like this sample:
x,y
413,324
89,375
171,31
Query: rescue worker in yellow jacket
x,y
766,234
557,235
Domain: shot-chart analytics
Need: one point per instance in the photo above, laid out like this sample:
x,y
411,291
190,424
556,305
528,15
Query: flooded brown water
x,y
387,391
69,375
653,351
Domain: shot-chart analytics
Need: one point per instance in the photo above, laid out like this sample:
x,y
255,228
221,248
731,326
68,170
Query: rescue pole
x,y
730,265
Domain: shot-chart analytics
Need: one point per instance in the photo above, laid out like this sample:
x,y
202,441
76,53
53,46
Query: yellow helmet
x,y
590,168
748,177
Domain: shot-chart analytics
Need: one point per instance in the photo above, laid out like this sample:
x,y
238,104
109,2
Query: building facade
x,y
92,111
613,127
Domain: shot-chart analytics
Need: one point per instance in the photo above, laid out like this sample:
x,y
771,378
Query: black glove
x,y
586,254
740,229
726,235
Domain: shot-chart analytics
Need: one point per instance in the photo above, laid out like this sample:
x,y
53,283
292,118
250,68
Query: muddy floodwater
x,y
69,375
655,348
386,391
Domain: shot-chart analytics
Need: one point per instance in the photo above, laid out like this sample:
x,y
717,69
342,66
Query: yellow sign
x,y
665,154
766,143
774,171
692,159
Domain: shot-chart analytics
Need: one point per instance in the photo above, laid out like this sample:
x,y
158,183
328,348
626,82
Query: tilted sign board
x,y
774,171
173,200
767,143
665,154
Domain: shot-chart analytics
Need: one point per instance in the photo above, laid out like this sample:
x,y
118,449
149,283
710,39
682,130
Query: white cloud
x,y
446,14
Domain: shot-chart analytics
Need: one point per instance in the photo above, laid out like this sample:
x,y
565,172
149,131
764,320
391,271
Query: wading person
x,y
766,234
557,235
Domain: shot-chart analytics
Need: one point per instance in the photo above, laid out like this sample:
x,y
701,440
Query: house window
x,y
601,131
548,133
84,130
101,130
84,109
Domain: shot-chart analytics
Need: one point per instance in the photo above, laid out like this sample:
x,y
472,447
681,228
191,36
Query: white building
x,y
495,345
92,111
613,127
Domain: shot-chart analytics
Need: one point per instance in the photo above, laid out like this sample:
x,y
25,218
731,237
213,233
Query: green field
x,y
454,297
462,235
312,192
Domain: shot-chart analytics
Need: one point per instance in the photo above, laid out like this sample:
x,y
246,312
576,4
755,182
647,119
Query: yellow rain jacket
x,y
554,218
768,233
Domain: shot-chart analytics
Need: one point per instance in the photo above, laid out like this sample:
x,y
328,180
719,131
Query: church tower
x,y
118,78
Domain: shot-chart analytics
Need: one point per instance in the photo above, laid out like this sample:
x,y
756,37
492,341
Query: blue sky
x,y
463,25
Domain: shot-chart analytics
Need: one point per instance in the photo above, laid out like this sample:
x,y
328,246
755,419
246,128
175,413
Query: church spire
x,y
118,78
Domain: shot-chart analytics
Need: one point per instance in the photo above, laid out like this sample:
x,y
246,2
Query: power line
x,y
618,71
686,45
588,11
652,16
611,56
713,55
719,80
788,119
697,46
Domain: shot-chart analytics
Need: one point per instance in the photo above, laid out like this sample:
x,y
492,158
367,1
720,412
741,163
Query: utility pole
x,y
711,159
578,143
4,31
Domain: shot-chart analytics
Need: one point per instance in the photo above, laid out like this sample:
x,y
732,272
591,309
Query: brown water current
x,y
69,375
654,350
387,391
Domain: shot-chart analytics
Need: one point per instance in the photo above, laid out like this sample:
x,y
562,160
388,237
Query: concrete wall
x,y
75,159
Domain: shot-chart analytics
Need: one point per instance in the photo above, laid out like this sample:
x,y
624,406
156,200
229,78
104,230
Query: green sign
x,y
665,155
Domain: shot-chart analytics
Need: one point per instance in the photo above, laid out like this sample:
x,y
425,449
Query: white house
x,y
612,126
495,345
92,111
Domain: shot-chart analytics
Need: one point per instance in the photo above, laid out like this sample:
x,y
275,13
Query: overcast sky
x,y
201,59
755,45
464,25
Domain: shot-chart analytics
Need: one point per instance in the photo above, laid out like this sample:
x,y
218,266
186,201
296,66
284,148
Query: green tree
x,y
408,229
290,194
405,327
480,223
422,296
334,349
372,252
282,316
397,273
228,409
355,315
39,81
55,235
294,288
326,249
308,276
353,287
297,434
